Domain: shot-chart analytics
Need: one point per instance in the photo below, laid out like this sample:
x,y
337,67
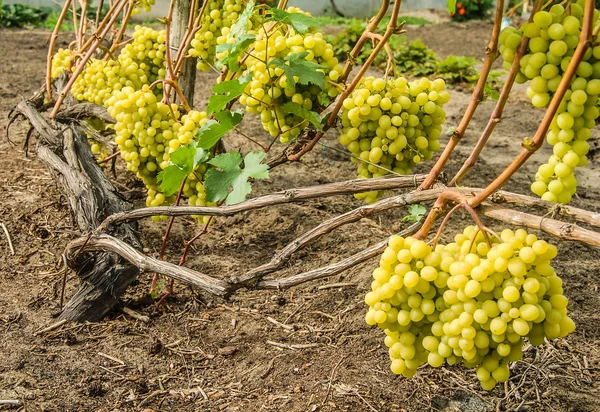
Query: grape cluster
x,y
148,131
61,61
467,302
218,18
270,89
142,5
391,125
554,36
141,62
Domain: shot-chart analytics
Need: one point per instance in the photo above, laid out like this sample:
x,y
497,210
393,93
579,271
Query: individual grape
x,y
454,319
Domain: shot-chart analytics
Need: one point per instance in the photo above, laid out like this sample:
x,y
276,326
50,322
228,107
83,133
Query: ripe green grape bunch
x,y
554,36
142,6
148,131
270,90
216,21
139,63
61,61
392,125
467,302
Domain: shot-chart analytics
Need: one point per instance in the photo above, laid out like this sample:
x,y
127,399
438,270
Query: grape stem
x,y
111,157
50,55
99,27
531,146
99,12
221,287
491,54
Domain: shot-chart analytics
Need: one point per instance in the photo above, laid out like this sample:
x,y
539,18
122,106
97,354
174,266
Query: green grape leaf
x,y
182,162
297,66
226,92
234,51
491,92
416,213
227,174
451,6
324,99
299,110
212,131
241,25
242,40
300,22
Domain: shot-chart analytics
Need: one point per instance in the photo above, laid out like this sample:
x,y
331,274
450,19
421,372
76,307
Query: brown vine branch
x,y
491,54
220,287
574,213
333,269
496,115
556,228
116,43
50,55
84,60
530,147
148,264
283,255
354,53
278,198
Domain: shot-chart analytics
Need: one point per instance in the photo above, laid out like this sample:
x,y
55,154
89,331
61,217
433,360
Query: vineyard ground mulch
x,y
198,353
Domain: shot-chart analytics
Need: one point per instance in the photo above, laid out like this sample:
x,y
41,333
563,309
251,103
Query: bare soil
x,y
198,353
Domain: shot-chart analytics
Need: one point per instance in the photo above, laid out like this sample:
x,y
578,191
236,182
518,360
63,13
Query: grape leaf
x,y
451,6
227,174
306,71
416,213
299,110
182,162
241,25
226,92
242,40
234,50
212,131
300,22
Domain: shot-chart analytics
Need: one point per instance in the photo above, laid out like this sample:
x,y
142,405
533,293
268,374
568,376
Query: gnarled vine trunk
x,y
64,149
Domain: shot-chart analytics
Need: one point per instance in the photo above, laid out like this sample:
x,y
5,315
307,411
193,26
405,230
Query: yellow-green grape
x,y
467,302
61,61
270,89
218,18
390,125
98,147
553,38
142,5
141,62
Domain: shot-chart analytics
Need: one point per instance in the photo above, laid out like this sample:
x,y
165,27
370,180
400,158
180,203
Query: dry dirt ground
x,y
198,353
